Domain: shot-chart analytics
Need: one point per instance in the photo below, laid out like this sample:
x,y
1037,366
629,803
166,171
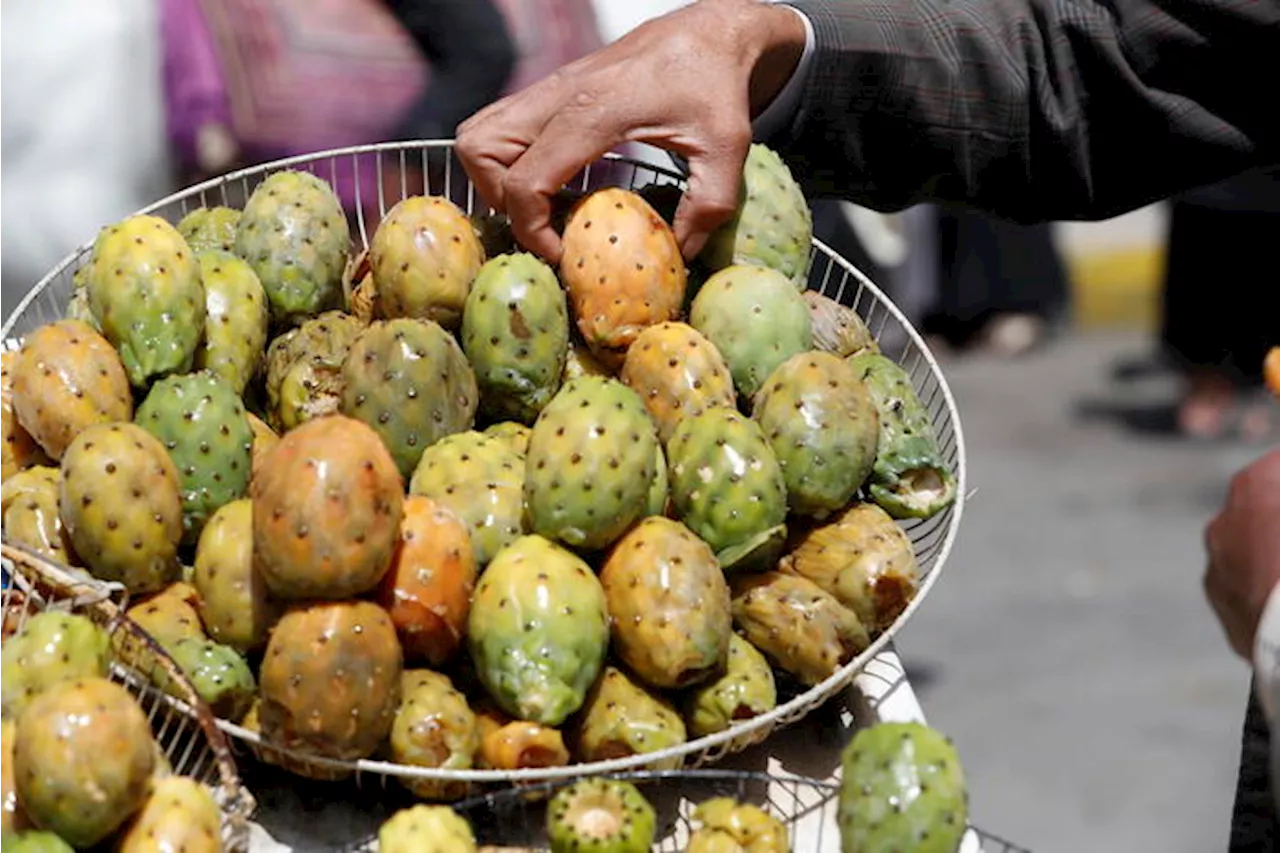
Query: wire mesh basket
x,y
182,724
405,169
514,819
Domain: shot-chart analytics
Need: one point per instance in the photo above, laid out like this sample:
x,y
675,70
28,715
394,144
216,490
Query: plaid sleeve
x,y
1035,109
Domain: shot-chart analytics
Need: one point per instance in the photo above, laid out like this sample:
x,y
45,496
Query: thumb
x,y
714,189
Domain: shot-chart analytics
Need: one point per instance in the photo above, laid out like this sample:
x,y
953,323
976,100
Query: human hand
x,y
688,82
1243,542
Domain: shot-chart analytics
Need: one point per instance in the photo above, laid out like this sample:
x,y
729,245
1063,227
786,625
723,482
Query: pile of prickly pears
x,y
81,766
441,503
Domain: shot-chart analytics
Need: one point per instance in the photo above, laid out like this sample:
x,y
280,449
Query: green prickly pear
x,y
727,487
49,649
668,604
12,819
516,435
823,428
590,464
745,689
903,788
579,361
327,506
201,421
424,256
169,615
78,307
410,381
600,816
660,488
622,718
304,369
210,228
909,478
29,502
236,317
677,373
435,727
122,506
515,331
83,759
217,672
295,236
144,289
66,379
231,593
837,328
802,628
180,816
35,841
723,824
426,829
538,630
772,226
482,480
330,680
755,318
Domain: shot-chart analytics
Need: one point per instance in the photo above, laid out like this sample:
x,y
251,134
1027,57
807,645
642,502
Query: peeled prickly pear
x,y
304,369
411,383
605,815
51,648
755,318
837,328
910,478
169,615
120,501
622,268
426,829
538,630
218,673
236,316
726,825
515,331
180,815
232,596
435,727
803,629
590,463
427,592
330,680
745,689
295,236
621,718
903,788
66,379
83,759
210,228
424,256
678,374
29,500
668,604
507,744
326,511
823,428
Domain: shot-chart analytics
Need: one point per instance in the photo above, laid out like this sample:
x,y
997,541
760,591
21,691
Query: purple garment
x,y
193,88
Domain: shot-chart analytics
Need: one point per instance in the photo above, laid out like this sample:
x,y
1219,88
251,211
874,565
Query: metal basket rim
x,y
739,734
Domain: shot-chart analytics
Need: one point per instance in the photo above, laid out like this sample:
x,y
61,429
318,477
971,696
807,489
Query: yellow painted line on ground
x,y
1117,288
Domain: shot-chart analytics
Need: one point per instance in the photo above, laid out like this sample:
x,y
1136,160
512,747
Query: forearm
x,y
1033,109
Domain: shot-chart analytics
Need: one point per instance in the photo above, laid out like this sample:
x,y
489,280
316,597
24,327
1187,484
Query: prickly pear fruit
x,y
579,361
410,381
823,428
12,818
515,331
590,463
755,318
235,323
903,788
264,441
727,486
772,227
51,648
622,268
35,841
424,256
200,419
515,435
295,236
169,615
304,369
864,559
481,480
120,501
144,289
724,825
29,500
330,680
910,478
66,379
660,488
180,815
600,816
801,628
538,630
507,744
426,829
745,689
83,759
435,727
677,373
621,718
427,592
210,229
231,593
20,449
326,511
668,604
218,673
837,328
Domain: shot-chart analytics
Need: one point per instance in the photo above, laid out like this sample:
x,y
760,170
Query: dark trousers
x,y
1253,819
